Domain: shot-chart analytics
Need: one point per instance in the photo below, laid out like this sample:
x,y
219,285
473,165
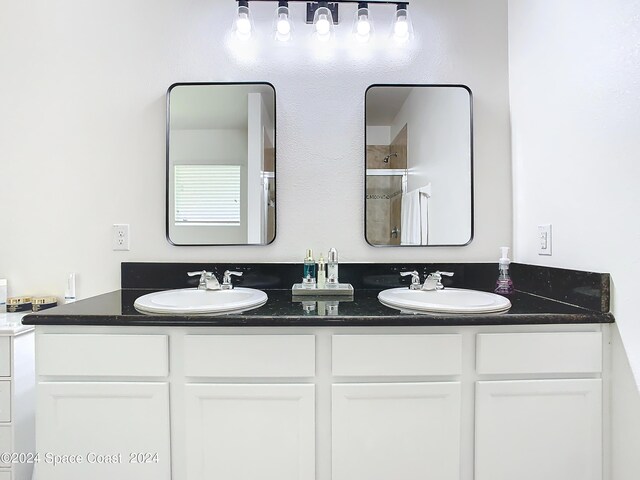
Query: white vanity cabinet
x,y
533,429
108,430
404,430
252,428
102,407
321,403
549,426
17,397
386,427
245,432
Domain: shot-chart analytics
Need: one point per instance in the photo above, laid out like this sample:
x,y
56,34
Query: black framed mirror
x,y
221,164
418,165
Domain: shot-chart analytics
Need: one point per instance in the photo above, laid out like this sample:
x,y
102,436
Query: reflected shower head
x,y
386,159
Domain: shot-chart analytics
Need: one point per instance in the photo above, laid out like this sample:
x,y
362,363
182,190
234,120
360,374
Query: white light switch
x,y
544,239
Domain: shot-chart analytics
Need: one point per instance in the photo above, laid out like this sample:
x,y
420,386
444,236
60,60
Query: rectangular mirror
x,y
221,158
419,165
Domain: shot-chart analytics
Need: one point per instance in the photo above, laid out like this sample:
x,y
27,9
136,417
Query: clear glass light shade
x,y
243,23
362,26
402,29
282,25
323,23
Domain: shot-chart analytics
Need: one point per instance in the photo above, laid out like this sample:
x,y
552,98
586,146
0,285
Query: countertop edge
x,y
302,321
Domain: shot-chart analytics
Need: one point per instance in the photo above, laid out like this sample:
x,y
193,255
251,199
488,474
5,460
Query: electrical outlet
x,y
544,239
120,237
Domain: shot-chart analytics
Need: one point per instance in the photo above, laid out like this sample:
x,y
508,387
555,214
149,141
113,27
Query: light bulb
x,y
402,30
322,25
401,27
282,22
363,27
283,25
243,24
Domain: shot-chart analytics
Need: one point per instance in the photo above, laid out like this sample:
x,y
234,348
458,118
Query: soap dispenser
x,y
504,285
309,271
332,269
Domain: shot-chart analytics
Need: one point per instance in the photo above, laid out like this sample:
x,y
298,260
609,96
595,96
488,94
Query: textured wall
x,y
82,129
575,83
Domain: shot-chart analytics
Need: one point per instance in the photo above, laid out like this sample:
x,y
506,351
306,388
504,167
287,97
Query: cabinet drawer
x,y
558,352
102,355
393,355
5,402
5,357
5,442
250,355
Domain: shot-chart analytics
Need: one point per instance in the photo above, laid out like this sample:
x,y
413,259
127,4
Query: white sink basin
x,y
449,300
193,301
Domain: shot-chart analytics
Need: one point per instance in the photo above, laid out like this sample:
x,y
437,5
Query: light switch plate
x,y
544,239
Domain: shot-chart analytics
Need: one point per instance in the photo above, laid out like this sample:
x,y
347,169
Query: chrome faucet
x,y
208,280
434,280
415,280
226,279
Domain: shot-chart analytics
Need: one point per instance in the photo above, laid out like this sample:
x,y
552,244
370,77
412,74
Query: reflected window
x,y
207,195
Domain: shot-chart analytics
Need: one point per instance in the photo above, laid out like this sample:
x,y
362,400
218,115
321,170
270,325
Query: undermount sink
x,y
448,300
194,301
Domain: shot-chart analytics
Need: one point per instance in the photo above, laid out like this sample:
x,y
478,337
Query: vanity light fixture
x,y
283,27
362,25
324,16
402,29
323,21
243,24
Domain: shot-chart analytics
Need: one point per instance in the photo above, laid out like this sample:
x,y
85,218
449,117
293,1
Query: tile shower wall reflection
x,y
384,192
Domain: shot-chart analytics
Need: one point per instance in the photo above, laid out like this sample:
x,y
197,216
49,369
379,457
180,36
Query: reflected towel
x,y
415,217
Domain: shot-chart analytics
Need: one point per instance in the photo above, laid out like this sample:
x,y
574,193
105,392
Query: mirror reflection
x,y
221,164
419,187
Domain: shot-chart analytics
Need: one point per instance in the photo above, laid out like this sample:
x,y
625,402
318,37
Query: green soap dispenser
x,y
309,271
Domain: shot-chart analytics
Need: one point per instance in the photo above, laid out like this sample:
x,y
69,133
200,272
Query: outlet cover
x,y
120,237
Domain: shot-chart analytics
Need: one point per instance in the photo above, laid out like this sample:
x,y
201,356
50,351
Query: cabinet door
x,y
250,432
539,429
101,425
396,431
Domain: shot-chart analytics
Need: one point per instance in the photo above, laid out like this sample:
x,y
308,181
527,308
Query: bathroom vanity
x,y
17,397
285,392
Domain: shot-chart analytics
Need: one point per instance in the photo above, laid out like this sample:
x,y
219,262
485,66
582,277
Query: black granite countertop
x,y
364,309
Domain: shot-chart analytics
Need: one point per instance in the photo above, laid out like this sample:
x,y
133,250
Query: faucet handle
x,y
415,279
226,279
446,274
433,280
201,273
207,280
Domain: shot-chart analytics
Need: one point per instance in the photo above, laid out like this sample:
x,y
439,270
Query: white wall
x,y
575,103
377,135
625,414
82,130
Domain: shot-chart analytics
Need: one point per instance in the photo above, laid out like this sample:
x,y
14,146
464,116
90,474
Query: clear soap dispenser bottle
x,y
322,273
504,285
332,268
